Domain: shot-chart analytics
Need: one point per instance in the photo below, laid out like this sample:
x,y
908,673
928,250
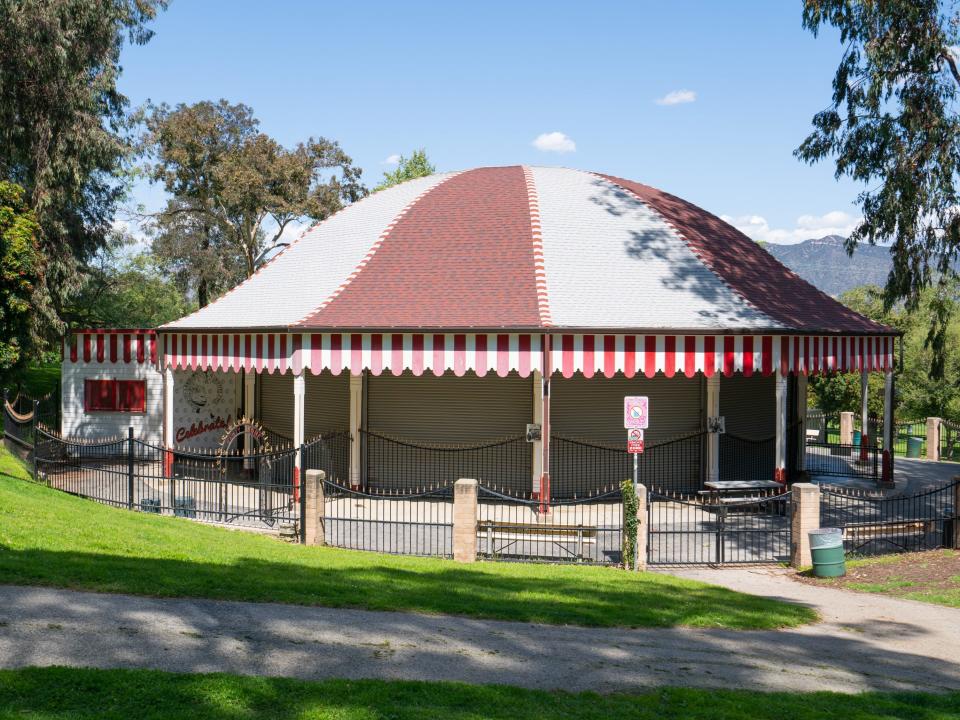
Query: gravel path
x,y
868,643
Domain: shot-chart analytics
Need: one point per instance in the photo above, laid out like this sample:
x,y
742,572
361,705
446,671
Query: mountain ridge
x,y
824,262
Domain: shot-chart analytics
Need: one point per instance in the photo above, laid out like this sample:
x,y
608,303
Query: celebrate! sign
x,y
636,412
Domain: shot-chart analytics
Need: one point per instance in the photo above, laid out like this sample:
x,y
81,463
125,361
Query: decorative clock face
x,y
202,390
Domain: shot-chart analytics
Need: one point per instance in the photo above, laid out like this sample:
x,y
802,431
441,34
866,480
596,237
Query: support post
x,y
545,492
886,470
846,428
713,439
313,531
536,447
356,422
33,435
250,410
168,438
640,543
806,518
130,489
864,414
299,389
465,520
801,459
956,514
933,438
780,469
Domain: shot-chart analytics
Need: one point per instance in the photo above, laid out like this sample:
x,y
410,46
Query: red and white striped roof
x,y
110,346
526,249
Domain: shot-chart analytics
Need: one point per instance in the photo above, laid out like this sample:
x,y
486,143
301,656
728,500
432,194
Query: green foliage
x,y
21,273
119,694
235,190
630,523
415,166
51,538
893,127
63,125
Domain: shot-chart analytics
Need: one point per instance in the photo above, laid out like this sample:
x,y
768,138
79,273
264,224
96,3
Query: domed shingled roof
x,y
526,248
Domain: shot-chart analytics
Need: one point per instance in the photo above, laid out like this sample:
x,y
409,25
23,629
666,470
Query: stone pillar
x,y
299,390
465,520
933,438
806,518
713,439
536,446
313,529
780,468
169,440
846,428
356,423
642,530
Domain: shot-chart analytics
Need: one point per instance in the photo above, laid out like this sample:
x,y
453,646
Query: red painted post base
x,y
864,444
886,469
296,484
780,476
168,463
544,494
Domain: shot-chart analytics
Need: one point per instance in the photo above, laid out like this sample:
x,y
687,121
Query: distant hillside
x,y
825,263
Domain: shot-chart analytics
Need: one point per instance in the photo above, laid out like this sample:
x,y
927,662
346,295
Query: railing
x,y
329,452
395,523
874,523
404,465
587,530
836,460
949,441
747,459
579,468
905,430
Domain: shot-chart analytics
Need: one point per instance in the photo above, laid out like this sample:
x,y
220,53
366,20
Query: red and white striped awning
x,y
504,353
111,346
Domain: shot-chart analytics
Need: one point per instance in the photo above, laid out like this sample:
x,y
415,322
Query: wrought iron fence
x,y
874,523
699,528
747,459
404,465
389,522
905,430
329,452
518,528
949,441
836,460
580,468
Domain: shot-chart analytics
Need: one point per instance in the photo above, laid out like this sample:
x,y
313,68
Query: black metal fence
x,y
697,529
836,460
949,441
874,523
329,452
747,459
586,530
389,522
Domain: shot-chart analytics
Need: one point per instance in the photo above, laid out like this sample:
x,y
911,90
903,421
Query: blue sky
x,y
477,83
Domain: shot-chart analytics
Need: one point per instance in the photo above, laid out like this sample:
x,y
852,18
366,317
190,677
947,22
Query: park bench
x,y
543,535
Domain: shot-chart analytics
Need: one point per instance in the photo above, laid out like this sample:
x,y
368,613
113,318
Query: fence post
x,y
313,531
806,518
956,513
130,467
846,428
933,438
465,520
33,435
640,542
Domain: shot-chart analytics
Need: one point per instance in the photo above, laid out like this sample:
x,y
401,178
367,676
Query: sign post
x,y
636,418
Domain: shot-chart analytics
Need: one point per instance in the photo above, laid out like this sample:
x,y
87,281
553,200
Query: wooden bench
x,y
906,527
511,533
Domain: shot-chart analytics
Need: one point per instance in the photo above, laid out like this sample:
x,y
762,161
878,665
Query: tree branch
x,y
948,57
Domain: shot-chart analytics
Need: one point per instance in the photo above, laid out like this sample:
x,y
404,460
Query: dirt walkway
x,y
865,643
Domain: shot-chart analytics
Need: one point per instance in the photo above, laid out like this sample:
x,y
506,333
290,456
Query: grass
x,y
36,381
51,538
55,693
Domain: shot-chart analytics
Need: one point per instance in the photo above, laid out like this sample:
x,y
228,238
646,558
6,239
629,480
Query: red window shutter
x,y
99,395
133,395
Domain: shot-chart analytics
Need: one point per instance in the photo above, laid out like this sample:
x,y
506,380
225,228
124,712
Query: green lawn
x,y
36,381
54,693
51,538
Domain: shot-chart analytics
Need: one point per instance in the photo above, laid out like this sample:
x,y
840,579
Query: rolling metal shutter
x,y
591,410
435,411
326,403
748,449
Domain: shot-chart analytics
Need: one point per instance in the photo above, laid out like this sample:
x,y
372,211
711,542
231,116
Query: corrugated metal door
x,y
748,450
275,403
591,410
417,415
326,403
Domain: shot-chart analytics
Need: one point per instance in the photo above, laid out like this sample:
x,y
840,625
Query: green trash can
x,y
857,437
914,447
826,547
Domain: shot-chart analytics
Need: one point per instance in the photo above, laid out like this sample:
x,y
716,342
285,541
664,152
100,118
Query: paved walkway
x,y
865,643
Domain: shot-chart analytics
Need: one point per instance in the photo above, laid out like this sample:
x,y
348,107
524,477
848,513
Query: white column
x,y
168,438
537,445
801,460
356,420
780,471
249,410
299,389
887,469
864,407
713,439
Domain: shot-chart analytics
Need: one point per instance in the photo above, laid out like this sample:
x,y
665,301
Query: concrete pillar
x,y
642,530
933,438
846,428
299,390
169,440
713,439
537,446
886,476
356,423
780,468
806,518
801,461
313,528
465,520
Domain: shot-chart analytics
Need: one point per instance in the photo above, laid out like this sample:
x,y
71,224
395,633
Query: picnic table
x,y
734,491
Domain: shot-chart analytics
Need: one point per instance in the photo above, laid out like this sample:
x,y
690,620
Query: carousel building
x,y
465,308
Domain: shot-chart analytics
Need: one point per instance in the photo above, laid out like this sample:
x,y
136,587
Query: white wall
x,y
78,423
205,403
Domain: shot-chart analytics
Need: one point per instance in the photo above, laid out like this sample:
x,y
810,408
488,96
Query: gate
x,y
695,529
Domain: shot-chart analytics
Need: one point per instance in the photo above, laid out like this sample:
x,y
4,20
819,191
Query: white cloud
x,y
556,142
392,160
836,222
677,97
